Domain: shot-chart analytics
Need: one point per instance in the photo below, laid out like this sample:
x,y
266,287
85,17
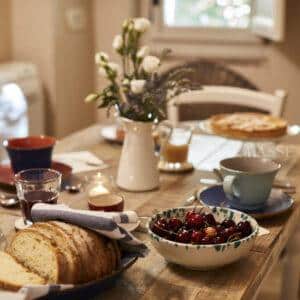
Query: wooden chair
x,y
209,100
206,72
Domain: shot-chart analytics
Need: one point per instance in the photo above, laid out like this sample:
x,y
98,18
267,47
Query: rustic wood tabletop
x,y
152,277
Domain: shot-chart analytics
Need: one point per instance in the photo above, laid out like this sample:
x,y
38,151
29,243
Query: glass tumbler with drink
x,y
37,186
175,143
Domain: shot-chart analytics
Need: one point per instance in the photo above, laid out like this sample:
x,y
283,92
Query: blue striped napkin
x,y
104,223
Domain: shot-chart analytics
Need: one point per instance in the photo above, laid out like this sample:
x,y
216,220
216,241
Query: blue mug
x,y
248,181
30,152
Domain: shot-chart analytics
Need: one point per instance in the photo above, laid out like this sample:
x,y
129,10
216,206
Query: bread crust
x,y
248,125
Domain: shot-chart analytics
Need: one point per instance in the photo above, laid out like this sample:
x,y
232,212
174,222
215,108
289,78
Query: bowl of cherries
x,y
202,237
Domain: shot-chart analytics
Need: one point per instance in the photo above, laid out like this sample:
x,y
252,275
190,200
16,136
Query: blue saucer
x,y
277,203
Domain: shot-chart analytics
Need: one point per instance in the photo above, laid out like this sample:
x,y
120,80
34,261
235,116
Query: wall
x,y
108,17
64,58
5,36
74,61
282,67
33,40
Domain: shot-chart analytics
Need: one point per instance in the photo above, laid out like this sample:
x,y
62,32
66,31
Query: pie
x,y
248,125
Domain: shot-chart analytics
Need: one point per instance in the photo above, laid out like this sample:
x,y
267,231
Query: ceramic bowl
x,y
204,257
30,152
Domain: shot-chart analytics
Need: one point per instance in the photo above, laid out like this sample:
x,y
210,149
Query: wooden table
x,y
152,277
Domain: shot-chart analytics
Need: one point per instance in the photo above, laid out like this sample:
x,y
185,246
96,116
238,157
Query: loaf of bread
x,y
13,275
63,253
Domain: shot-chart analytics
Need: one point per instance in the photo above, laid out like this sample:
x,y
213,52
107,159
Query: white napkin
x,y
81,161
207,151
102,222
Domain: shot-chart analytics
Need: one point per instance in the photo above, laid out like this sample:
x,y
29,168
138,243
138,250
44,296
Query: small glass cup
x,y
175,143
102,193
37,186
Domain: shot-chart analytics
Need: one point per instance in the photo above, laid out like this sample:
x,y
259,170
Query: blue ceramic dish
x,y
278,202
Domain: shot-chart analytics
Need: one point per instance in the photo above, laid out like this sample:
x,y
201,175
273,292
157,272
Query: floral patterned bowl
x,y
204,257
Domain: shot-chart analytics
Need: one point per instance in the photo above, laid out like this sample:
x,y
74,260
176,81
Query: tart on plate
x,y
248,125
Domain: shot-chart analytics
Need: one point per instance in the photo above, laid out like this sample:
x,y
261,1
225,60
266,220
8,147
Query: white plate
x,y
205,127
130,226
110,133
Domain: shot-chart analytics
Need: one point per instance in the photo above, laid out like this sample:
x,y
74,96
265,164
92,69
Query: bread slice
x,y
86,260
68,240
76,244
39,254
63,244
13,275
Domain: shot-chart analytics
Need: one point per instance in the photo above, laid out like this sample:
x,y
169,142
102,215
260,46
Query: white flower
x,y
142,52
150,64
125,23
101,57
102,72
126,81
115,67
141,24
91,97
137,86
117,42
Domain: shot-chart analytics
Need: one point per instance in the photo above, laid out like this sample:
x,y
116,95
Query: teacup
x,y
248,180
29,152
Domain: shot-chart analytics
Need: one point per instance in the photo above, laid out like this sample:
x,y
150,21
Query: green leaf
x,y
91,97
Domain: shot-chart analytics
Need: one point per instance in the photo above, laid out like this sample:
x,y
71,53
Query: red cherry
x,y
206,240
245,228
219,228
228,223
219,240
210,219
174,224
190,215
197,222
183,236
163,223
197,236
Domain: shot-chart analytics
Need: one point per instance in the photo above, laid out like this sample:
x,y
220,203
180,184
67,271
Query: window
x,y
207,13
234,26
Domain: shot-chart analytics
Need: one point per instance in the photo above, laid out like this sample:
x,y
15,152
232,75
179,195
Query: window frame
x,y
208,42
185,33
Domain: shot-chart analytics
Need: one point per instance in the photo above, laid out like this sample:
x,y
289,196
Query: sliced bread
x,y
63,245
13,275
39,254
86,261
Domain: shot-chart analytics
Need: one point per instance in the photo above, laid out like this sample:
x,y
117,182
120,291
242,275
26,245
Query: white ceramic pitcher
x,y
138,169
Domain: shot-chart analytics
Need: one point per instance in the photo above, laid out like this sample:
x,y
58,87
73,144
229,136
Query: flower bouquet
x,y
135,89
138,94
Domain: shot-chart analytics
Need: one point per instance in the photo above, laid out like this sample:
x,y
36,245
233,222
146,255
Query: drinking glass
x,y
36,186
175,143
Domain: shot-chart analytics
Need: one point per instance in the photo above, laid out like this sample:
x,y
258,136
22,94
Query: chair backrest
x,y
201,104
206,72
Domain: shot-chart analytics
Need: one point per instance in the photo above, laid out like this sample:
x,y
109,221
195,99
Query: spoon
x,y
8,200
73,188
